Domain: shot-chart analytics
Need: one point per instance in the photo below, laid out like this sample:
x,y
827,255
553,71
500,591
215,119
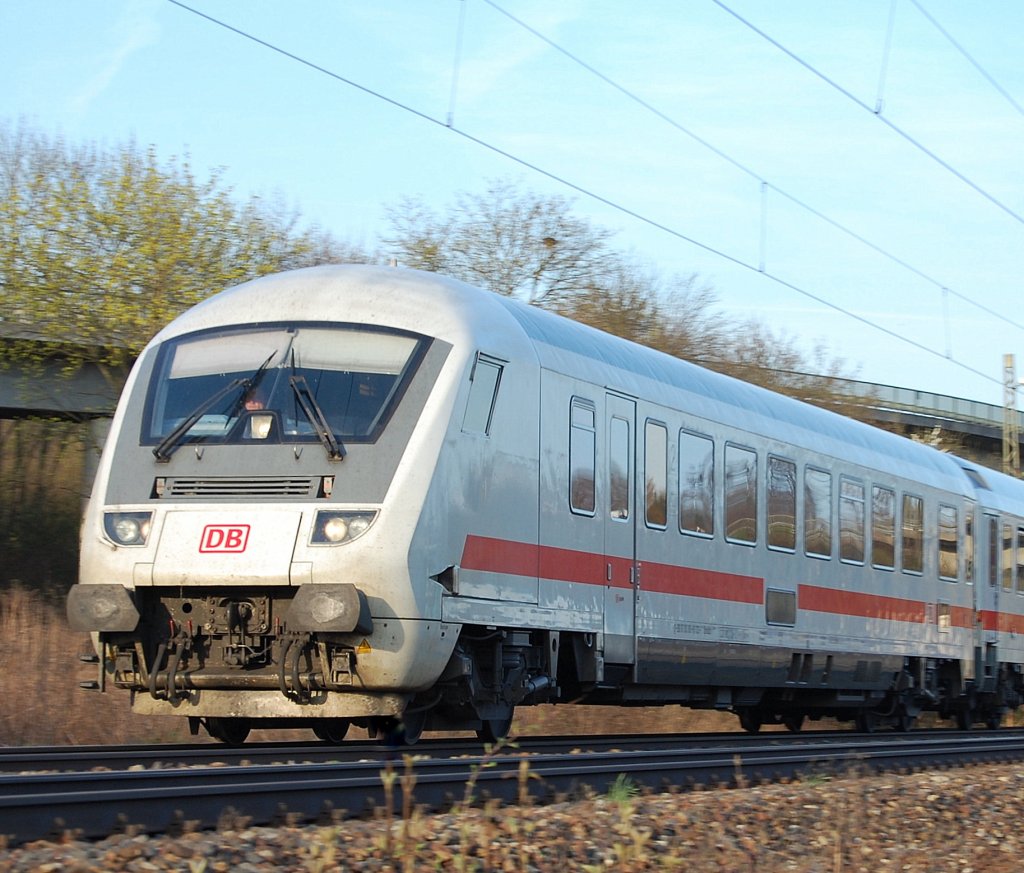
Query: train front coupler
x,y
173,654
309,661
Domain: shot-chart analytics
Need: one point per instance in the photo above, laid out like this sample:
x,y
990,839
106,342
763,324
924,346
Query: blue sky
x,y
149,70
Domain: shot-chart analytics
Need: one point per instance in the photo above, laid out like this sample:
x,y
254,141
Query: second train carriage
x,y
372,495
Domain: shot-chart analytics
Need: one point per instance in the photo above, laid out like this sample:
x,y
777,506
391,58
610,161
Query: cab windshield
x,y
288,384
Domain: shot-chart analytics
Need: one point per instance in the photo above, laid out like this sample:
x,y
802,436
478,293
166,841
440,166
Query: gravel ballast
x,y
969,820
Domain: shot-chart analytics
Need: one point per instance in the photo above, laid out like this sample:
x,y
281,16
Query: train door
x,y
620,530
989,584
973,579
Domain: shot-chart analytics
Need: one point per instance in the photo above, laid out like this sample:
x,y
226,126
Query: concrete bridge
x,y
50,386
967,428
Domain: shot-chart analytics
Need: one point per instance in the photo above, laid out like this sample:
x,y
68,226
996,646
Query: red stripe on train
x,y
855,603
1003,622
710,584
492,555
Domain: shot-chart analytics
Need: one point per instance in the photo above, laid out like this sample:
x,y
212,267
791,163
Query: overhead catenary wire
x,y
765,184
969,58
891,125
625,210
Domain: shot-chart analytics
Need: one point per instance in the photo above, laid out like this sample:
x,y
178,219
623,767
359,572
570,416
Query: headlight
x,y
260,426
332,528
128,528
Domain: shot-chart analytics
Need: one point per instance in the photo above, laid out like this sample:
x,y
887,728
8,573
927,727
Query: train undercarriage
x,y
244,661
261,666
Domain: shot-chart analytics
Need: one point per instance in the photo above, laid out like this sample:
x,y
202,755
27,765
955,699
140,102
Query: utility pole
x,y
1011,433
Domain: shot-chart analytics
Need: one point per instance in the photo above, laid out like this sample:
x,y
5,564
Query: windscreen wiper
x,y
315,415
170,442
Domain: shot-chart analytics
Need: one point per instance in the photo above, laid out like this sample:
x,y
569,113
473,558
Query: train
x,y
374,496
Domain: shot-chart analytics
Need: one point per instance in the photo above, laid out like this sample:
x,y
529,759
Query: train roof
x,y
425,303
451,310
567,346
995,490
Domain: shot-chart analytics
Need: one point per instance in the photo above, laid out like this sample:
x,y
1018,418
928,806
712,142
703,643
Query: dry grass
x,y
42,486
40,670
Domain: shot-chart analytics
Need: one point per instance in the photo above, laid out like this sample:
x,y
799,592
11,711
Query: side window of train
x,y
944,617
619,469
696,484
582,456
817,512
949,555
883,527
740,495
970,546
913,534
781,504
1008,559
1020,560
655,475
993,551
851,521
483,391
780,607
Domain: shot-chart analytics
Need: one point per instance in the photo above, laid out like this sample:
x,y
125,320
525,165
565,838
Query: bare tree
x,y
772,360
519,243
510,241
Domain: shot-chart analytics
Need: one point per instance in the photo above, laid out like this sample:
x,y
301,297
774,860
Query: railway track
x,y
181,789
15,759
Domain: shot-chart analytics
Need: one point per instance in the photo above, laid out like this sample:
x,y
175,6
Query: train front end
x,y
245,551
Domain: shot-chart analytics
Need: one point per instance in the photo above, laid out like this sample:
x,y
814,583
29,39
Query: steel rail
x,y
15,759
22,759
95,804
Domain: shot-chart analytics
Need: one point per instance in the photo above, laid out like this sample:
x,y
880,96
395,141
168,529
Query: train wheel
x,y
494,730
331,730
411,726
404,730
965,719
865,722
750,720
230,731
793,723
904,721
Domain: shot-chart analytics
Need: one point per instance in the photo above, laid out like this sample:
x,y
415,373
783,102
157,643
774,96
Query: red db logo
x,y
224,538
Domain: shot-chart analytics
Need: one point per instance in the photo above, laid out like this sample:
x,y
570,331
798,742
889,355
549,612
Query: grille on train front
x,y
251,487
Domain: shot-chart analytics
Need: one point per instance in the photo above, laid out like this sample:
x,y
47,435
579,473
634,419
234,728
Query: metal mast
x,y
1011,434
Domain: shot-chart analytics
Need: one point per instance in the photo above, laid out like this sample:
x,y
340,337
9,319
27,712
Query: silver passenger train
x,y
374,496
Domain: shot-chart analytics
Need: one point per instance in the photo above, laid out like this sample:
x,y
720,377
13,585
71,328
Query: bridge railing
x,y
923,403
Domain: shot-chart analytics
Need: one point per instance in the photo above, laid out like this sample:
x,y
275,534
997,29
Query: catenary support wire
x,y
457,63
592,195
883,73
796,201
